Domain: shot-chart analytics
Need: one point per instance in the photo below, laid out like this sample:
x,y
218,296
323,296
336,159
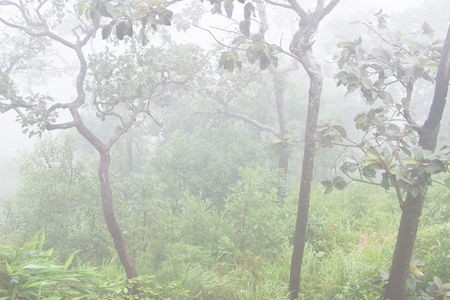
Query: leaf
x,y
367,83
128,29
223,57
120,30
447,182
9,270
385,96
414,191
381,53
68,261
385,181
106,31
229,7
415,271
81,7
229,65
244,27
41,242
341,130
435,166
141,5
327,183
104,11
165,16
438,282
264,62
411,283
427,29
248,9
239,40
411,161
339,183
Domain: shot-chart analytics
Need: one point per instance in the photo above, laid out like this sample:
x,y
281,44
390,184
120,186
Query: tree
x,y
123,89
155,14
403,151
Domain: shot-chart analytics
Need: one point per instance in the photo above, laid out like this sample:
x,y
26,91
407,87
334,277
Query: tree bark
x,y
412,208
301,47
280,89
106,192
108,211
315,91
129,142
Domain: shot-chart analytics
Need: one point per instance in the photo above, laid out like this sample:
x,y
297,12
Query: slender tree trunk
x,y
412,208
283,156
129,141
301,47
108,211
304,55
307,172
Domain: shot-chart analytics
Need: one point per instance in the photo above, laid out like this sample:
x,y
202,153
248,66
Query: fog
x,y
224,149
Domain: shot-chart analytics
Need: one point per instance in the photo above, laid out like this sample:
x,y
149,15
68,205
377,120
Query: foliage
x,y
29,272
53,176
390,132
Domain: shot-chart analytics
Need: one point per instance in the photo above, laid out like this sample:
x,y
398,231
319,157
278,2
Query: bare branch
x,y
60,126
322,13
279,4
250,121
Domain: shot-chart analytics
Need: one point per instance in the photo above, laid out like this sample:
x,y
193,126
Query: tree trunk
x,y
313,69
412,208
283,156
108,211
129,141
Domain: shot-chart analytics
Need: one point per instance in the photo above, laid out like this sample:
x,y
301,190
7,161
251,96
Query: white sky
x,y
11,135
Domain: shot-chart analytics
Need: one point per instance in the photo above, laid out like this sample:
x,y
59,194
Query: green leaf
x,y
68,261
244,27
264,62
385,181
239,40
438,282
229,65
165,16
223,57
339,183
41,242
435,166
327,183
447,182
106,31
385,96
120,30
414,191
81,7
252,55
328,190
427,29
411,161
341,130
367,83
9,270
128,29
381,53
104,11
248,10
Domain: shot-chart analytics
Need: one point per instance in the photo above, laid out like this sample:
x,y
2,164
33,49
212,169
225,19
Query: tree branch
x,y
250,121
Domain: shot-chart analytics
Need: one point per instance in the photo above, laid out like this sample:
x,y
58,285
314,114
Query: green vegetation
x,y
203,251
170,170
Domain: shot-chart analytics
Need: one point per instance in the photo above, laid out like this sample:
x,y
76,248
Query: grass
x,y
351,237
